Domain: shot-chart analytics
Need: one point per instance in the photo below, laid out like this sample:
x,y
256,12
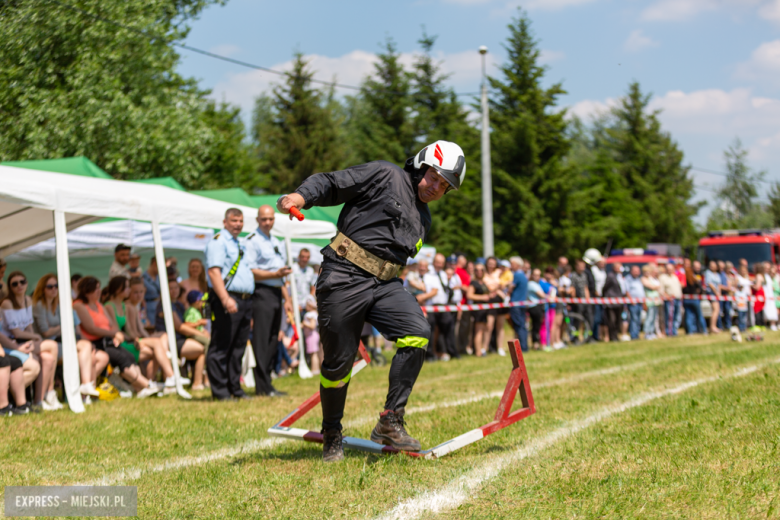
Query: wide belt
x,y
240,295
346,248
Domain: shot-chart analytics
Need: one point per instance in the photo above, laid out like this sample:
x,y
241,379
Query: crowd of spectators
x,y
546,323
121,342
121,330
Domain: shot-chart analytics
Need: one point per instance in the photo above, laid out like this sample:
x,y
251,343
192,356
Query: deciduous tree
x,y
74,84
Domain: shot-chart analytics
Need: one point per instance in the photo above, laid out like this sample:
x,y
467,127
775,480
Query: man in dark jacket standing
x,y
385,220
612,289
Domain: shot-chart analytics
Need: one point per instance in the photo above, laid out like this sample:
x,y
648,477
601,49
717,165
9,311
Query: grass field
x,y
687,428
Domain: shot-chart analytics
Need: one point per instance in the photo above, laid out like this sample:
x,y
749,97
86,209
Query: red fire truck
x,y
731,245
654,254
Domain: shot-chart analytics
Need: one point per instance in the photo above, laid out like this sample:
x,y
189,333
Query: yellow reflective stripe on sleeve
x,y
411,341
418,245
327,383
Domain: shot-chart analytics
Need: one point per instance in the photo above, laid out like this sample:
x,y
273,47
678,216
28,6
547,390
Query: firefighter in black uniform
x,y
385,220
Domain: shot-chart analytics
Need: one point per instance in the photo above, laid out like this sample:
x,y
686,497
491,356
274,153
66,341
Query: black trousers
x,y
347,296
584,311
537,319
267,313
612,314
229,334
463,331
445,342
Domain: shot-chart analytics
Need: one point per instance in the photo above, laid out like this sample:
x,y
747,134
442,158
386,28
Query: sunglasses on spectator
x,y
18,283
51,286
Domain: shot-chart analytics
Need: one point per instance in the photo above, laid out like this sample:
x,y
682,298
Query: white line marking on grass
x,y
461,489
537,364
543,384
566,380
185,462
258,445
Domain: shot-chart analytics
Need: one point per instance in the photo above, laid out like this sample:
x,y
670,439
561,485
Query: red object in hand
x,y
295,213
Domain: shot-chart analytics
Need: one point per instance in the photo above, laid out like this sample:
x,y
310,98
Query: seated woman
x,y
197,279
11,378
99,327
18,325
189,348
137,340
46,322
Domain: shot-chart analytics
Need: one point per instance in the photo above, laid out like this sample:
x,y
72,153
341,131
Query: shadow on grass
x,y
304,452
496,449
311,451
202,399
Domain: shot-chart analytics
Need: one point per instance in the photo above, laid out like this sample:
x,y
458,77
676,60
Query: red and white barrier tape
x,y
594,301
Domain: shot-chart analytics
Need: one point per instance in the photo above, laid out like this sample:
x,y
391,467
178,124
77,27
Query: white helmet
x,y
592,256
446,158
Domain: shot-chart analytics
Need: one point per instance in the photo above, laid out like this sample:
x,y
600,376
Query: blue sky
x,y
713,66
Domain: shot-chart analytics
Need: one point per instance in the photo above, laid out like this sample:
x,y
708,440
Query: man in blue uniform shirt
x,y
519,294
230,296
266,257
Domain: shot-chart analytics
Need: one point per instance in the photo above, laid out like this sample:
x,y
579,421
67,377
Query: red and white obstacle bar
x,y
518,383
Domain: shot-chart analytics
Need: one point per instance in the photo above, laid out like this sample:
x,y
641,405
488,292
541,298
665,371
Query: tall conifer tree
x,y
380,117
650,165
440,116
297,131
528,144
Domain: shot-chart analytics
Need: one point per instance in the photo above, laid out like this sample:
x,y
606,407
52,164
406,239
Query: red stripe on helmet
x,y
437,153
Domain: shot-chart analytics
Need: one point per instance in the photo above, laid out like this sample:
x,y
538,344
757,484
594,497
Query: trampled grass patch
x,y
196,459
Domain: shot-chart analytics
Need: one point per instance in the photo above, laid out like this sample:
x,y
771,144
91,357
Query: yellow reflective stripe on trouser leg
x,y
412,341
327,383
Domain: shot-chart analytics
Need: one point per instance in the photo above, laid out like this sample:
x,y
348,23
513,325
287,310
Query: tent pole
x,y
303,368
165,295
70,362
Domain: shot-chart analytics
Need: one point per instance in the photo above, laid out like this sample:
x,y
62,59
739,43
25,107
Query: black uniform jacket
x,y
381,210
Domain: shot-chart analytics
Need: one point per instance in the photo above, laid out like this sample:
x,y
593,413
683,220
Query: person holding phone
x,y
266,257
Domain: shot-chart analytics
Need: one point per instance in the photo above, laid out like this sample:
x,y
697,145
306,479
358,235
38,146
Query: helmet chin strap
x,y
416,173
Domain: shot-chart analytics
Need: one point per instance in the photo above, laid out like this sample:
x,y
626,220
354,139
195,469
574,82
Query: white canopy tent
x,y
100,238
36,205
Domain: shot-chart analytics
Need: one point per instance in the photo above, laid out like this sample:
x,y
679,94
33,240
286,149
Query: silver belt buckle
x,y
343,247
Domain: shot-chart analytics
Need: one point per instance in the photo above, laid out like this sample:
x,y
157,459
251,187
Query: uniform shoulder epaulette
x,y
250,236
216,236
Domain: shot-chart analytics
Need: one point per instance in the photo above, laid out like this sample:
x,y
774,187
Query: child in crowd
x,y
312,335
134,267
194,317
287,349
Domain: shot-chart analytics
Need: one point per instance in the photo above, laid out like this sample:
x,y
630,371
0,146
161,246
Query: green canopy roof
x,y
231,195
328,214
163,181
72,165
86,168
